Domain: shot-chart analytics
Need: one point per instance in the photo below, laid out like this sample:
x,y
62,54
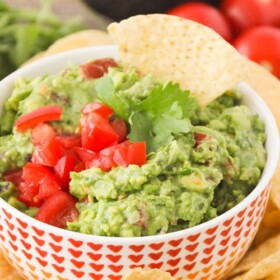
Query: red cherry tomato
x,y
43,114
97,68
206,15
262,45
244,14
58,209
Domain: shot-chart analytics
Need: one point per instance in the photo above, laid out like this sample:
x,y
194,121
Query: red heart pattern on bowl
x,y
47,253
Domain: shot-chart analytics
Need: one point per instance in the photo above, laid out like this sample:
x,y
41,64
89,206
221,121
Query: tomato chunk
x,y
42,114
42,179
58,209
69,141
47,146
14,176
85,154
97,68
137,153
199,138
119,126
99,108
64,166
28,194
97,133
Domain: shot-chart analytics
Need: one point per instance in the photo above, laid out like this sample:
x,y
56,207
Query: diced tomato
x,y
35,172
47,153
106,63
97,133
41,132
99,108
58,209
69,140
43,178
97,68
80,167
13,176
28,194
137,153
134,153
119,126
48,187
103,162
42,114
199,138
64,166
85,154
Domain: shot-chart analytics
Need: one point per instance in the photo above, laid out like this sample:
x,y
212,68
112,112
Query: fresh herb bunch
x,y
23,33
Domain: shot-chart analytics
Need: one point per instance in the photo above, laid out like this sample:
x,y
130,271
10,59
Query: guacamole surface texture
x,y
201,167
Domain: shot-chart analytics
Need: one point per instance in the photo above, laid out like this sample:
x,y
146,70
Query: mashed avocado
x,y
193,173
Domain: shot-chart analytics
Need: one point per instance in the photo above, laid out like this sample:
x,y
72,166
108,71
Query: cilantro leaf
x,y
157,119
167,99
165,127
107,94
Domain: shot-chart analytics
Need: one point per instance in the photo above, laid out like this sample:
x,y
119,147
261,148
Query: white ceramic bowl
x,y
206,251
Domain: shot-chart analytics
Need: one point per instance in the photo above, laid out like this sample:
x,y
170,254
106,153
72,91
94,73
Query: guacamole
x,y
200,162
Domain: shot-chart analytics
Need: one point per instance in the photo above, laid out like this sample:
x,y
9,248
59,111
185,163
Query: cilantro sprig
x,y
157,119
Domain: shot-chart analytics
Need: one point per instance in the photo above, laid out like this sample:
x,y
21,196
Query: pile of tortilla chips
x,y
200,60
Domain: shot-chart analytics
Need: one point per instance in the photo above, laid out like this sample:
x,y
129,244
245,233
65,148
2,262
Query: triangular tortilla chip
x,y
180,50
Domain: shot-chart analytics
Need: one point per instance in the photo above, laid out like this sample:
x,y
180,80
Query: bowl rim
x,y
112,50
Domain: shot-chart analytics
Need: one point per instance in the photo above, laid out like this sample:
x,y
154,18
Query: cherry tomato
x,y
97,68
248,13
262,45
42,114
119,126
206,15
99,108
97,133
58,209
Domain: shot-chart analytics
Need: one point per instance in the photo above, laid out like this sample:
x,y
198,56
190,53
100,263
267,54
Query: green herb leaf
x,y
163,114
107,94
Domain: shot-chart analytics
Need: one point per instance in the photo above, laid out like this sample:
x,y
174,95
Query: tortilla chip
x,y
274,276
268,87
81,39
256,257
180,50
262,269
6,271
152,274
